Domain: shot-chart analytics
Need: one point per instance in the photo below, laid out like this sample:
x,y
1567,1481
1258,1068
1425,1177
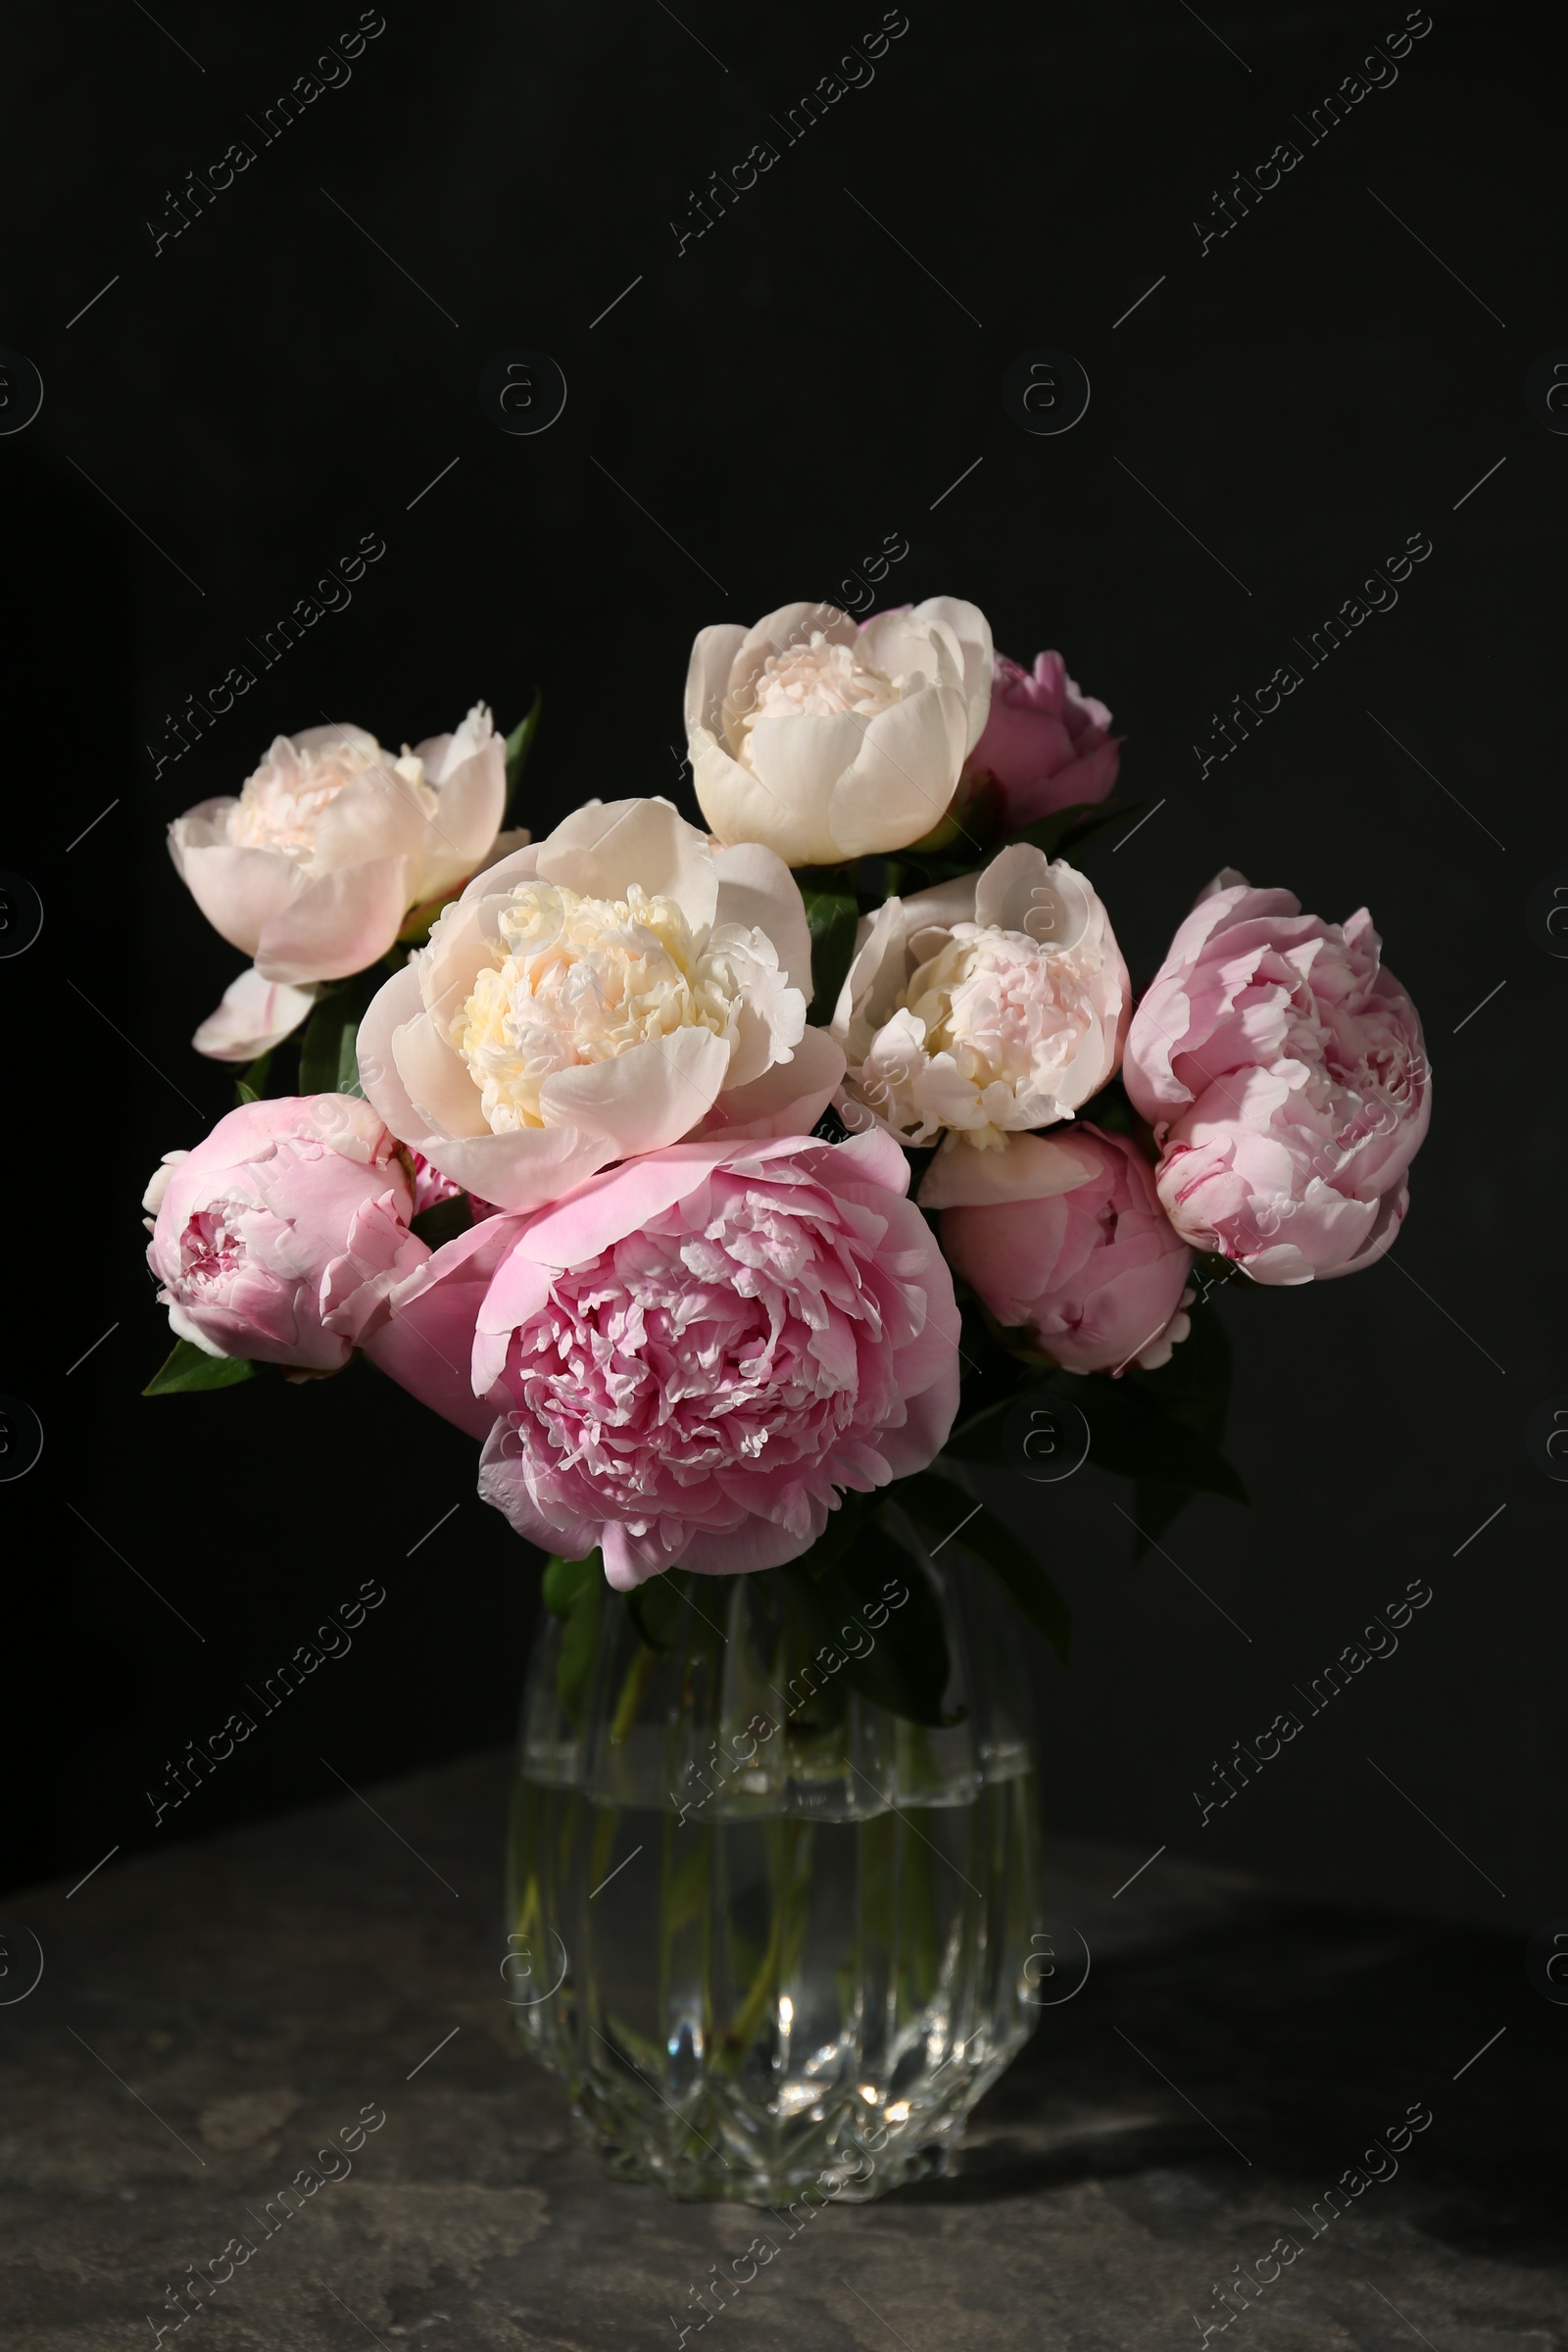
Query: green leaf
x,y
906,1668
946,1511
841,1531
573,1591
443,1221
1194,1387
1155,1505
188,1368
251,1084
1112,1111
984,1437
564,1583
831,916
1131,1431
328,1063
519,743
655,1609
919,870
580,1644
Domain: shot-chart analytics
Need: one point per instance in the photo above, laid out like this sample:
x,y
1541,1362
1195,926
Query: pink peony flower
x,y
431,1187
1064,1235
989,1004
426,1342
1046,744
280,1237
698,1350
1285,1077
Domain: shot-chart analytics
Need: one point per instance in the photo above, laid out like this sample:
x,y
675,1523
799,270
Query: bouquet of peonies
x,y
719,1181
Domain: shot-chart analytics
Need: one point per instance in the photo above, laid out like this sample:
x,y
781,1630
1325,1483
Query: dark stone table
x,y
206,2015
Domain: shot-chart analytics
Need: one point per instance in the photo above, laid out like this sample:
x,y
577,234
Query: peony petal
x,y
389,1010
619,1202
904,776
437,1080
756,888
472,802
441,755
787,1100
204,827
769,1023
426,1344
1006,893
1030,1167
757,1543
518,1289
517,1283
775,633
240,891
1078,786
520,865
650,1096
520,1172
341,923
459,949
600,850
319,739
255,1015
714,652
376,814
1392,1210
875,1158
928,1418
874,981
904,646
739,806
803,760
972,633
504,1484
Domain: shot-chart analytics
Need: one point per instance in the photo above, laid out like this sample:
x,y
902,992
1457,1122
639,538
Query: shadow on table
x,y
1266,2054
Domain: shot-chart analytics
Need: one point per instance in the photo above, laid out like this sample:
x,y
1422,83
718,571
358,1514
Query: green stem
x,y
631,1694
740,2035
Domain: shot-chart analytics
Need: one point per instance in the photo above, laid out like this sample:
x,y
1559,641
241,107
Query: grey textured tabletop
x,y
206,2015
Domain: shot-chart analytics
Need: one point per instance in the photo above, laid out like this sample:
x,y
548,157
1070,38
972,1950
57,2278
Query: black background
x,y
752,418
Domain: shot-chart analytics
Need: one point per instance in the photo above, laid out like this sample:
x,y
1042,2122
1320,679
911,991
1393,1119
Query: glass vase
x,y
771,1934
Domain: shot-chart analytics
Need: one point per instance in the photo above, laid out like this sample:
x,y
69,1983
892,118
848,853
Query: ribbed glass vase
x,y
770,1933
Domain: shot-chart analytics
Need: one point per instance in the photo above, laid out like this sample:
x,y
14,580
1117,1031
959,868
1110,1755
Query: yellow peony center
x,y
577,981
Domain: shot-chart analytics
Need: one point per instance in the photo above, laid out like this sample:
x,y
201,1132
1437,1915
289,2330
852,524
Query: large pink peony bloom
x,y
694,1353
280,1236
1064,1235
1284,1074
1047,744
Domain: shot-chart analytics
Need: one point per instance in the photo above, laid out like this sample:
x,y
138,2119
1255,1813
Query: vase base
x,y
801,2191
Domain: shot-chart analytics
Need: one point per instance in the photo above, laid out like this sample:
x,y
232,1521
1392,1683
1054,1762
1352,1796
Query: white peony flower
x,y
993,1003
600,995
311,869
827,741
